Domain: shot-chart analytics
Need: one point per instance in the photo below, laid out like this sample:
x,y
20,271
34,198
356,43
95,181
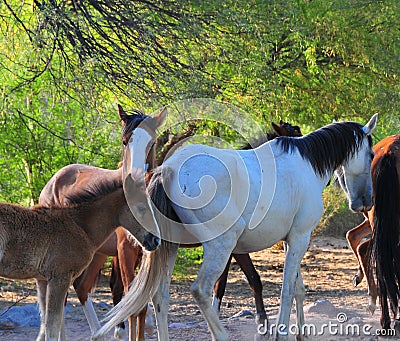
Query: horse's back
x,y
268,188
73,180
31,237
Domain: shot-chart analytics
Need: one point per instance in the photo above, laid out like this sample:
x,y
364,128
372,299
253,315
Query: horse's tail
x,y
385,249
147,281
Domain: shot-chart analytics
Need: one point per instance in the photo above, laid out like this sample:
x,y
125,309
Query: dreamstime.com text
x,y
340,327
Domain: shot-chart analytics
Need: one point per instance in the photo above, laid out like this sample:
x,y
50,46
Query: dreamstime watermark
x,y
340,327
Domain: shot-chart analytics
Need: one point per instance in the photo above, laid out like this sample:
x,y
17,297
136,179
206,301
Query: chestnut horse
x,y
381,252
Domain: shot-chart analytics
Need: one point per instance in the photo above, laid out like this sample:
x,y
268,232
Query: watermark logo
x,y
341,327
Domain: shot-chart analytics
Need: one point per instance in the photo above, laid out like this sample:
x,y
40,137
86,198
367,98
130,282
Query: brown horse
x,y
359,237
382,252
68,186
54,245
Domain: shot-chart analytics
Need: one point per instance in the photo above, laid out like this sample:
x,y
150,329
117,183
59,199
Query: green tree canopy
x,y
64,66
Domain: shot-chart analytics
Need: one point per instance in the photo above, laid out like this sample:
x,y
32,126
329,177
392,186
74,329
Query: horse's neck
x,y
151,159
100,217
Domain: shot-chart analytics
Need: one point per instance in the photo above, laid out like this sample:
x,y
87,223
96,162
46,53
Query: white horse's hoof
x,y
119,333
99,338
397,326
371,307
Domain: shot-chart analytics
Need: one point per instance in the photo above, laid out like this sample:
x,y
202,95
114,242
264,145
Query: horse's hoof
x,y
119,333
397,327
356,280
262,319
371,308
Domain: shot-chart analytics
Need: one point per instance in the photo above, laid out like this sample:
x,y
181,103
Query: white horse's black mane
x,y
328,147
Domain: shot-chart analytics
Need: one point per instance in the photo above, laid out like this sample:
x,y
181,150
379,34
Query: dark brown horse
x,y
54,245
385,222
385,163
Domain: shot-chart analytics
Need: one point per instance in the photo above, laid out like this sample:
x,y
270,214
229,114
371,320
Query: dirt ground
x,y
328,268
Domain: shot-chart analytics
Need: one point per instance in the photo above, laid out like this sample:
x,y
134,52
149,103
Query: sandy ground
x,y
328,268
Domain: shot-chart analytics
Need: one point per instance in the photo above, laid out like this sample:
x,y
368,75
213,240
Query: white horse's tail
x,y
141,290
147,281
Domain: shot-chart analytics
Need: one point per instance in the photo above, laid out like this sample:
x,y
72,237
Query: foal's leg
x,y
55,297
354,238
41,286
161,297
362,251
219,287
254,280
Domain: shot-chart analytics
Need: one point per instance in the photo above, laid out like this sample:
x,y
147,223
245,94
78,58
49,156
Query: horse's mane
x,y
94,191
328,147
132,121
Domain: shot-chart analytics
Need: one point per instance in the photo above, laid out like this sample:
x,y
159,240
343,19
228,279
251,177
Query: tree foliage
x,y
65,64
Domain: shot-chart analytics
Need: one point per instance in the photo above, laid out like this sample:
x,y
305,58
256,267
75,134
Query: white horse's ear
x,y
371,125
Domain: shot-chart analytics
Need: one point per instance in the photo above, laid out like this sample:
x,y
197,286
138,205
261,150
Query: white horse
x,y
242,202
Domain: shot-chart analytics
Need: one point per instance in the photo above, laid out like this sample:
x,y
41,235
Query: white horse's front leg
x,y
161,297
294,254
299,295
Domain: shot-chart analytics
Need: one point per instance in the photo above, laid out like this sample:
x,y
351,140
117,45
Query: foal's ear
x,y
122,114
371,125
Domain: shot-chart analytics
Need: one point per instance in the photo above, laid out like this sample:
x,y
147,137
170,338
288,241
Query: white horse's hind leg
x,y
91,315
62,336
119,332
161,297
